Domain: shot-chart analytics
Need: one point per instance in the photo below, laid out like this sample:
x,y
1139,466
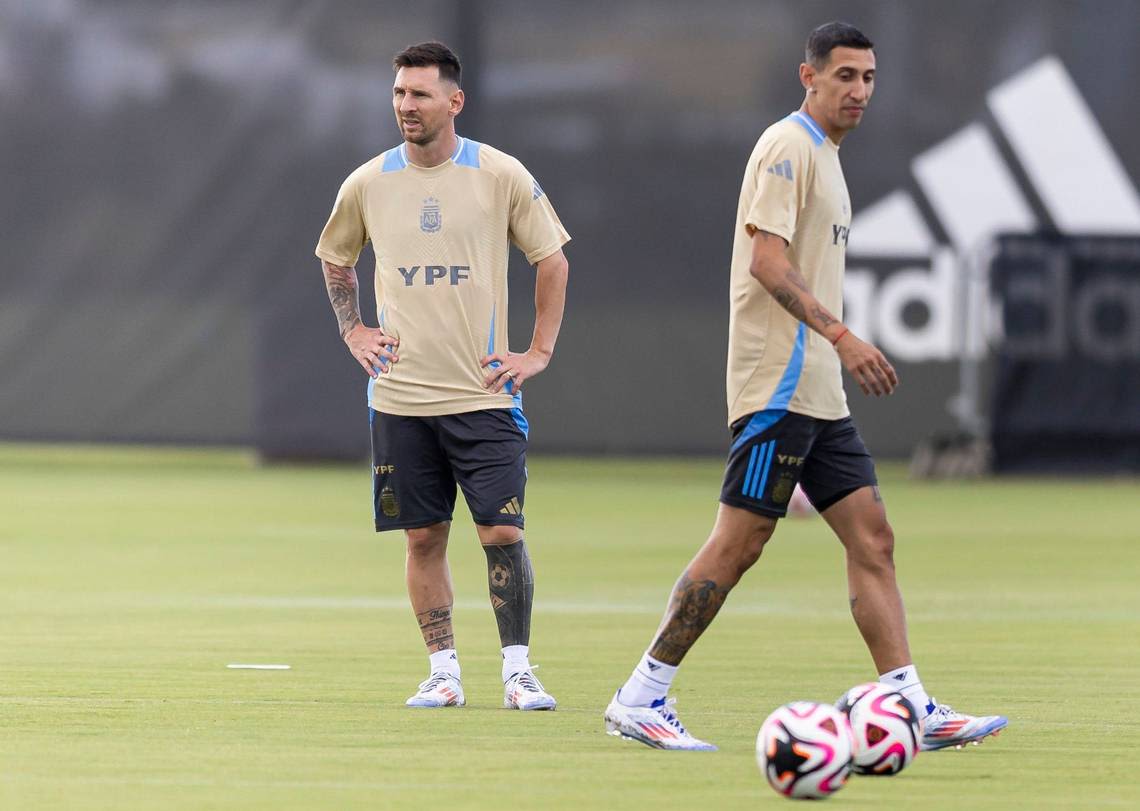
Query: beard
x,y
421,137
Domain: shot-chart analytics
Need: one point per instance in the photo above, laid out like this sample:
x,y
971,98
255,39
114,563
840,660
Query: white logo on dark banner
x,y
1071,166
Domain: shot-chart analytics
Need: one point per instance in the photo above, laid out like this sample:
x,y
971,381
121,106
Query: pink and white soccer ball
x,y
804,749
885,727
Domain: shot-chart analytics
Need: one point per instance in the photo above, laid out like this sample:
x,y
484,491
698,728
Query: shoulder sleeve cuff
x,y
335,259
536,256
778,230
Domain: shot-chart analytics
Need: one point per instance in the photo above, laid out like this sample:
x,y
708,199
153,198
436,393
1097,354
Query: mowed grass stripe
x,y
131,577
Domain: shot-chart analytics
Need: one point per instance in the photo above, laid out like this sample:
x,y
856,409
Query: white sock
x,y
445,661
649,682
516,658
906,681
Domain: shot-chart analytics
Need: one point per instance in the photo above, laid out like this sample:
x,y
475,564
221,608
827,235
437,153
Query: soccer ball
x,y
804,749
885,726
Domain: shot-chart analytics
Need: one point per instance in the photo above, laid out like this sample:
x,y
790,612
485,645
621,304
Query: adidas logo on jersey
x,y
783,170
512,507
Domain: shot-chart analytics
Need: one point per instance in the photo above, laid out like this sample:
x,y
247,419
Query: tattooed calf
x,y
692,606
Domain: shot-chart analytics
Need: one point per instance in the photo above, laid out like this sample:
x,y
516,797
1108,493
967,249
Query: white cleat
x,y
523,691
441,689
656,725
945,727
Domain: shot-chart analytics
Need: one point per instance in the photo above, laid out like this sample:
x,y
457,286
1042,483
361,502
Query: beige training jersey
x,y
441,238
793,187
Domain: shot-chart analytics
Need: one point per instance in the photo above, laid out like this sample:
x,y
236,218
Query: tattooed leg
x,y
734,546
429,585
511,580
435,625
692,607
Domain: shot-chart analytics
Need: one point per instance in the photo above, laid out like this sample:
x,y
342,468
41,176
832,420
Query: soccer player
x,y
787,408
446,393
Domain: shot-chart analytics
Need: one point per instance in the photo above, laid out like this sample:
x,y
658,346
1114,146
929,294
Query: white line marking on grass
x,y
790,607
542,606
47,701
257,667
782,605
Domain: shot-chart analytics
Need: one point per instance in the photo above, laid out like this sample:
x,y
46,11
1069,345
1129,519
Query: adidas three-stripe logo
x,y
759,462
781,170
1070,165
512,507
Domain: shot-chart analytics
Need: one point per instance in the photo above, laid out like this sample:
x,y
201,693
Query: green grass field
x,y
131,577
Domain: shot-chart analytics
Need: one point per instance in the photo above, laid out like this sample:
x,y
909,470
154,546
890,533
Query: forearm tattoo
x,y
435,625
344,295
692,607
797,280
822,316
790,301
511,581
788,296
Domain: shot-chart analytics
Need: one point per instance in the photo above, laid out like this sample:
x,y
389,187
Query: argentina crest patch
x,y
782,492
389,504
431,220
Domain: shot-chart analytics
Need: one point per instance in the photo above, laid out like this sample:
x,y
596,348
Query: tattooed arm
x,y
372,348
344,293
771,267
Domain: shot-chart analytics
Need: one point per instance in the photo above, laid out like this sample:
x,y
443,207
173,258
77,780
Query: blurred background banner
x,y
168,167
1067,387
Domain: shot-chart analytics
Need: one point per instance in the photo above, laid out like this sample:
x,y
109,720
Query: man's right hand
x,y
373,348
867,365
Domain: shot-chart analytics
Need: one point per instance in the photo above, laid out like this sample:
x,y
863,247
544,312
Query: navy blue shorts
x,y
418,461
774,450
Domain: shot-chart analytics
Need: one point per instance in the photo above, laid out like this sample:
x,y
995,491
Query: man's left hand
x,y
514,368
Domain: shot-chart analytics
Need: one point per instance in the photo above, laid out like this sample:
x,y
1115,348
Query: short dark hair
x,y
823,40
427,54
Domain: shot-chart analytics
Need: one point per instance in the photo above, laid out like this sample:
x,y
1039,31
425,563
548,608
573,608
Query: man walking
x,y
787,408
